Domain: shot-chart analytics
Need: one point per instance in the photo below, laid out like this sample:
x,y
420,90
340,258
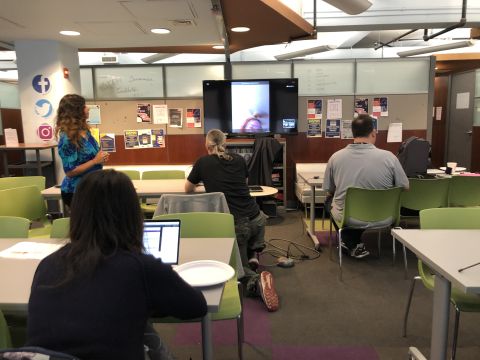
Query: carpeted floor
x,y
323,318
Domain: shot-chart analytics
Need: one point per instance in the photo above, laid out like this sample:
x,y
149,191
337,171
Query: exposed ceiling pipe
x,y
396,39
462,22
220,21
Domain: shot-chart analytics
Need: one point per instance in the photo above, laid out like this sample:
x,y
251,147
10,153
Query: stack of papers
x,y
29,250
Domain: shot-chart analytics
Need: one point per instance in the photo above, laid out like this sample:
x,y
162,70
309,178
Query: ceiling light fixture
x,y
218,47
240,29
305,52
436,48
351,7
69,33
157,57
160,31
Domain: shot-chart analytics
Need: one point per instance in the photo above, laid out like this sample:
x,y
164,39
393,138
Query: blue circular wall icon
x,y
41,84
43,108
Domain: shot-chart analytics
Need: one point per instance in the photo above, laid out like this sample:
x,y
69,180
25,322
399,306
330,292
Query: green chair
x,y
446,218
20,181
464,191
5,339
425,194
26,202
60,228
369,206
149,208
132,174
216,225
14,227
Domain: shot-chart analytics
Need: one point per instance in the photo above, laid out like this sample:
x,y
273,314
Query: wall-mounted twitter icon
x,y
43,108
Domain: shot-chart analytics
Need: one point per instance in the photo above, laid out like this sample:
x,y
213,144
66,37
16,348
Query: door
x,y
460,120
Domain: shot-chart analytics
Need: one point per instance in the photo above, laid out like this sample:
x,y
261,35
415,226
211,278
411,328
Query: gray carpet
x,y
323,318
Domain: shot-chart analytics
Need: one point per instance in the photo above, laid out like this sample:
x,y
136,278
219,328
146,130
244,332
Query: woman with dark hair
x,y
78,149
92,297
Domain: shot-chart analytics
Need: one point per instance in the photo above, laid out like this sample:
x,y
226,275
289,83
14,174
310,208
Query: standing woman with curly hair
x,y
78,149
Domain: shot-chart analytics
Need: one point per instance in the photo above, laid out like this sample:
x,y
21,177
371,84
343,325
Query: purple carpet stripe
x,y
323,236
281,352
256,322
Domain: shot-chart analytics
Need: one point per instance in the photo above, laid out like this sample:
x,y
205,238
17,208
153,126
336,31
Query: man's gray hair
x,y
216,143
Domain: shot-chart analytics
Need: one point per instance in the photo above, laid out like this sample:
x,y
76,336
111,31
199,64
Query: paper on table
x,y
29,250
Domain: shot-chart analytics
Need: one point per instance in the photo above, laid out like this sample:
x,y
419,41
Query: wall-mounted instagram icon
x,y
45,132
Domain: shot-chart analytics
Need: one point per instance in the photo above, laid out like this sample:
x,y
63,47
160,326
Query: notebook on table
x,y
161,238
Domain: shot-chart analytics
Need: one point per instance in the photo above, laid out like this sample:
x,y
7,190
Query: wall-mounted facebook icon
x,y
41,84
43,108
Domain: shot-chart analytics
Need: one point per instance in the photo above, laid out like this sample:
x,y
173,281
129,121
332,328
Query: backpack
x,y
413,155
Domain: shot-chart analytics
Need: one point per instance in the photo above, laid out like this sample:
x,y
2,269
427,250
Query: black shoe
x,y
359,252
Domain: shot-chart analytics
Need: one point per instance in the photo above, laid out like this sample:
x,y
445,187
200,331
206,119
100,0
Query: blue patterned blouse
x,y
72,157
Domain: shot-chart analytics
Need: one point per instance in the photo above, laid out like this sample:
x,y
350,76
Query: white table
x,y
312,180
445,251
16,277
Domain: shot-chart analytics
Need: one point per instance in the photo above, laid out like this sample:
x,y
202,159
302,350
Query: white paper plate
x,y
205,272
457,169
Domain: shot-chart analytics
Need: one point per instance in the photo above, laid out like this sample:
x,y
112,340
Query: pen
x,y
468,267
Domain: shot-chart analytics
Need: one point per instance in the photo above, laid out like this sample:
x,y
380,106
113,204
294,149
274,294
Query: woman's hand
x,y
101,157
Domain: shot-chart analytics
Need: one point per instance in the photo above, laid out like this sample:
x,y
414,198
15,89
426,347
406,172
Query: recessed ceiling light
x,y
218,47
240,29
69,33
160,31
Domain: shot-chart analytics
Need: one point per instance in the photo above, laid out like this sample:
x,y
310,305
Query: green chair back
x,y
60,228
132,174
450,218
14,227
372,205
5,339
464,191
163,174
426,194
20,181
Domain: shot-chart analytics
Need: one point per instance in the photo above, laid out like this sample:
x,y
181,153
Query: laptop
x,y
255,188
161,238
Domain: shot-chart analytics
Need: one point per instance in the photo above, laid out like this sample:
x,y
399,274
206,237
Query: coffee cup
x,y
452,165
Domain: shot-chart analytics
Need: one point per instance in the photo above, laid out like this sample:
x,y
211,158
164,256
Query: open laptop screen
x,y
161,238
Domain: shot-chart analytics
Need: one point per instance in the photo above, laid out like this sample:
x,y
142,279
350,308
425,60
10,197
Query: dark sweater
x,y
104,316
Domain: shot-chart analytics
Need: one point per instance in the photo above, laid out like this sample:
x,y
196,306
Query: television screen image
x,y
289,123
250,106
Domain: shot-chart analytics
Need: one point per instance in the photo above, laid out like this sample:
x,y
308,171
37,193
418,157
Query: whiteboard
x,y
86,83
261,71
393,76
129,82
186,80
324,78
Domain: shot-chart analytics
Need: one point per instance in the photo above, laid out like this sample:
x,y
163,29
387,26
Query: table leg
x,y
207,337
5,163
311,231
441,308
39,163
54,166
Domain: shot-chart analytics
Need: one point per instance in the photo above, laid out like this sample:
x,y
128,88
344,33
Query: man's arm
x,y
189,187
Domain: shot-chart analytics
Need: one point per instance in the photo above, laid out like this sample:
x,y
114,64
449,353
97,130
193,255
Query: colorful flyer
x,y
347,129
193,118
107,142
175,117
314,109
94,117
144,112
314,128
95,133
361,105
380,106
158,138
144,138
332,129
131,139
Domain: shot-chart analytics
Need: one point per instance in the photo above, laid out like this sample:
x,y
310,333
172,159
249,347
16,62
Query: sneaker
x,y
344,246
267,291
359,251
253,263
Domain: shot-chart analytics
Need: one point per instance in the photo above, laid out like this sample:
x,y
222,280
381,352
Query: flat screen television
x,y
249,107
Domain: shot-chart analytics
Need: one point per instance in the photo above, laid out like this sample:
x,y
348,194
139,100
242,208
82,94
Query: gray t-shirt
x,y
363,166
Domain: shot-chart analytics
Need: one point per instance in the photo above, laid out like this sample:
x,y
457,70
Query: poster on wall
x,y
334,108
175,116
94,117
347,129
131,139
160,114
380,106
96,134
361,106
107,142
158,138
314,128
193,118
394,132
332,129
375,122
144,138
144,112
